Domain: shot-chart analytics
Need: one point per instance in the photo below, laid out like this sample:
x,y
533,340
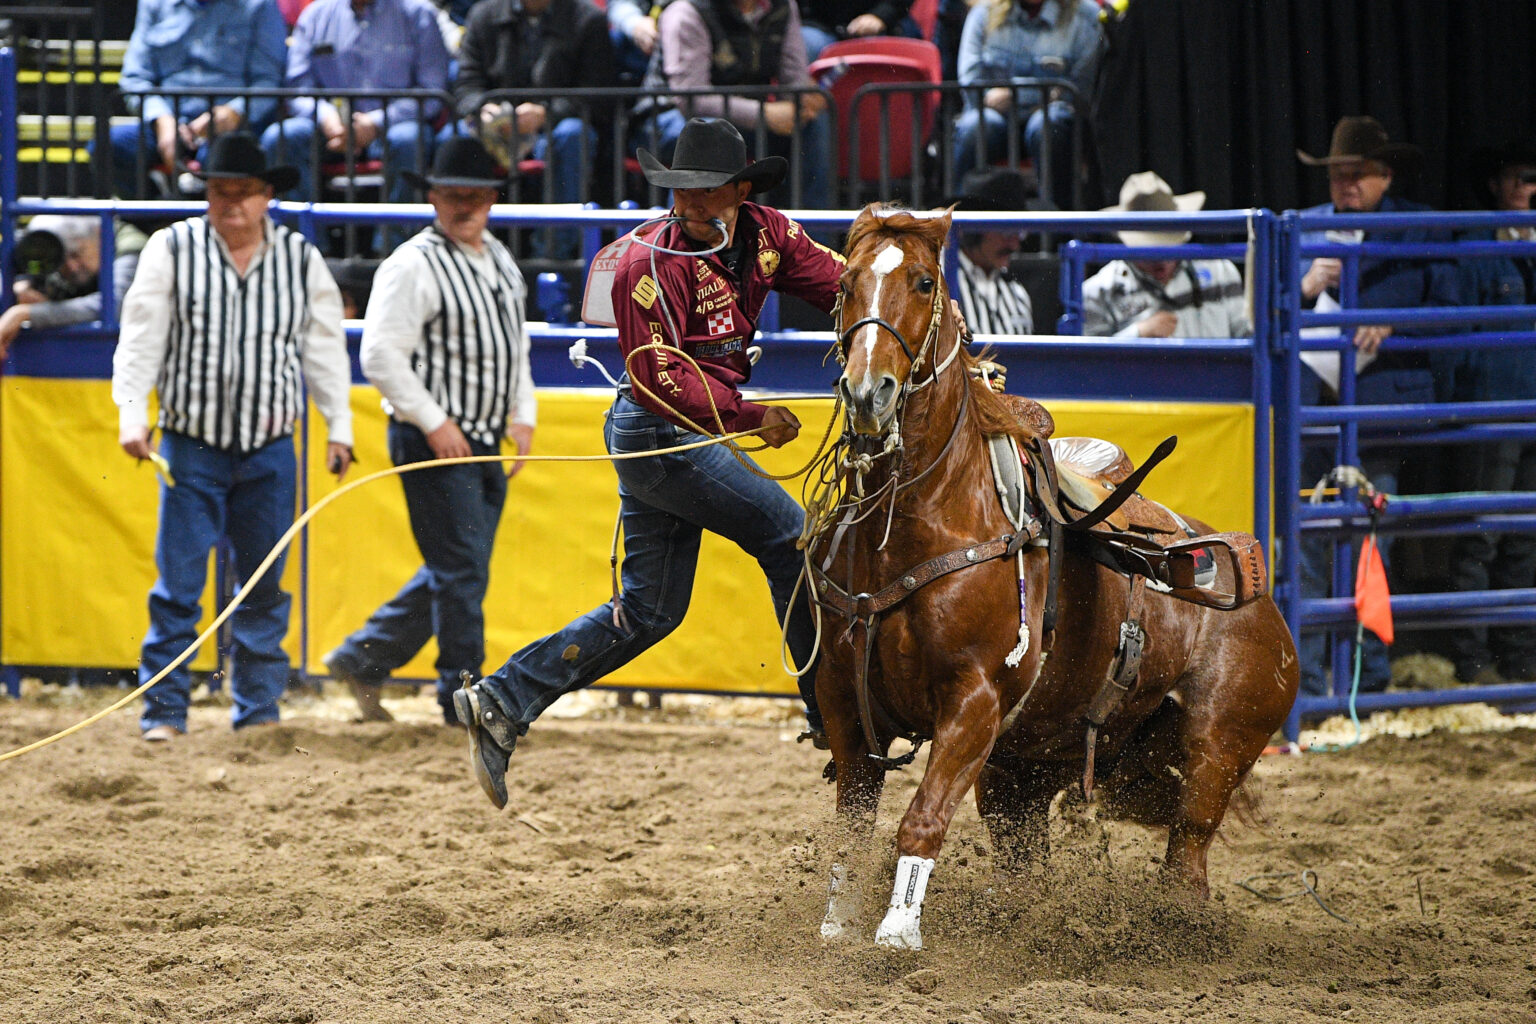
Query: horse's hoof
x,y
831,929
901,929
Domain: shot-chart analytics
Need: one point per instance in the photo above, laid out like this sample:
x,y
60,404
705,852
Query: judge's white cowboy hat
x,y
1145,192
711,152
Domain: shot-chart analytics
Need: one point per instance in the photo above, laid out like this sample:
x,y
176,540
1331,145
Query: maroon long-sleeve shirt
x,y
716,316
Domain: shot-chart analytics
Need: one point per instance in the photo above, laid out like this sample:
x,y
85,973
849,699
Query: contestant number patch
x,y
720,323
645,292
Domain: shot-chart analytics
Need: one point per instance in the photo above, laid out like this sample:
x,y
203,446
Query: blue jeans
x,y
127,141
666,502
454,512
249,499
994,127
815,155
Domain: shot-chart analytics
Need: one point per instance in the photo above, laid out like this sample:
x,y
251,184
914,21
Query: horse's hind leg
x,y
1015,804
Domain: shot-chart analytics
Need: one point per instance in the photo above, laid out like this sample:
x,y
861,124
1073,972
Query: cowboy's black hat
x,y
1490,162
995,190
711,152
1361,138
239,155
461,162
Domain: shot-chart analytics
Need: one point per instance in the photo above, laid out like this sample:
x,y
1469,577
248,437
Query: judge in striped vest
x,y
230,318
444,340
992,301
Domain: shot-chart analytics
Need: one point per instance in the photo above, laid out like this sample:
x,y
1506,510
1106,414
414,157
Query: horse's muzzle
x,y
871,403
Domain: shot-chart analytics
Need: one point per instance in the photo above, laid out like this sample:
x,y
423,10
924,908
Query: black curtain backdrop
x,y
1219,94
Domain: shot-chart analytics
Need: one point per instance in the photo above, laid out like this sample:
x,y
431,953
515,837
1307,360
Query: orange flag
x,y
1373,602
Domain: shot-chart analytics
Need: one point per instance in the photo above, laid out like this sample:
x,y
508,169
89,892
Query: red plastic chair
x,y
849,64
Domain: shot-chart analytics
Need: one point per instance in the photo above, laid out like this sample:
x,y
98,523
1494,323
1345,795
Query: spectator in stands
x,y
445,342
68,294
538,44
1361,163
362,44
1166,298
1026,39
823,22
1494,561
216,45
216,324
725,43
632,27
992,301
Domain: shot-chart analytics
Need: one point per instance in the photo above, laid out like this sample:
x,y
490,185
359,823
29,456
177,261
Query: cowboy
x,y
697,284
226,313
1361,163
446,343
1506,180
1166,297
993,302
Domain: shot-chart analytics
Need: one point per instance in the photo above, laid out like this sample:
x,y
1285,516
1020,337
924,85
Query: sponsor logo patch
x,y
768,262
645,292
720,323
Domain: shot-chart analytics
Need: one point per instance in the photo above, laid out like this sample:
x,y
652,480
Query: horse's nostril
x,y
887,389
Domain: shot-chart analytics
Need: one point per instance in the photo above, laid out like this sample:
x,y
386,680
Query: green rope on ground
x,y
1308,888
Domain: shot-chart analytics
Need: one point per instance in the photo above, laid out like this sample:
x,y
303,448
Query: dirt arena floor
x,y
670,867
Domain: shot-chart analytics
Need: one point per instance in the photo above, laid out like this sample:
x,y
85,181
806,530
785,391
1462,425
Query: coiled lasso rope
x,y
310,513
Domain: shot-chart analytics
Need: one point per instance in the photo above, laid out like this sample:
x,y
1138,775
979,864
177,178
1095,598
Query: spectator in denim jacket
x,y
213,45
1026,39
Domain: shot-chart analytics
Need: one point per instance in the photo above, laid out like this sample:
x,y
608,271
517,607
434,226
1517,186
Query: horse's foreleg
x,y
859,785
960,748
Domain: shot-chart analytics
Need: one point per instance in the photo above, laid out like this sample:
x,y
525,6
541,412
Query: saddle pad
x,y
1010,479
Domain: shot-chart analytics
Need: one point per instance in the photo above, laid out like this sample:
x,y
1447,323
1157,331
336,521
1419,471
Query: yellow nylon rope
x,y
308,514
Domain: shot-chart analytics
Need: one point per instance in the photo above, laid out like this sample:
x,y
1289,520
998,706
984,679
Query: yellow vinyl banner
x,y
77,528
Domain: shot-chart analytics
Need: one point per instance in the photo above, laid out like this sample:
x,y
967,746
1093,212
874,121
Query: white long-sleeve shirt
x,y
445,336
231,354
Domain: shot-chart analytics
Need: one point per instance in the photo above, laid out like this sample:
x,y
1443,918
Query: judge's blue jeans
x,y
667,502
454,512
249,499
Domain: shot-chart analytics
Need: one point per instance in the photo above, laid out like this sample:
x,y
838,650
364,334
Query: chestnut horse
x,y
948,661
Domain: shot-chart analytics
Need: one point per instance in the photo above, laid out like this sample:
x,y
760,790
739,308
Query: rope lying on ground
x,y
310,513
1308,888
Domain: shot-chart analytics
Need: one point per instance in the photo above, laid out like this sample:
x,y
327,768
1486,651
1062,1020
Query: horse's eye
x,y
925,285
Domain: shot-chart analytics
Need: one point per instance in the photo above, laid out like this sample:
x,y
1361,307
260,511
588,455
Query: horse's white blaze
x,y
887,260
902,927
842,904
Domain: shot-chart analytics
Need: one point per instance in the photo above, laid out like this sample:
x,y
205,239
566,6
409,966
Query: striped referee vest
x,y
466,354
232,376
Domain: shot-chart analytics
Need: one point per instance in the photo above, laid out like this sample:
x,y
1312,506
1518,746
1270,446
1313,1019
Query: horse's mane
x,y
992,414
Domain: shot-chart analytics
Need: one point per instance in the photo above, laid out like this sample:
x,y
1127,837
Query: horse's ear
x,y
947,217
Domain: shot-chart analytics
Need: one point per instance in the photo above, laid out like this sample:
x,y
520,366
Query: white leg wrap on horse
x,y
902,927
842,904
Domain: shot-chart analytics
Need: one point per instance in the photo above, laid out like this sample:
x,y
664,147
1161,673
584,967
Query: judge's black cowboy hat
x,y
461,162
1361,138
239,155
711,152
995,190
